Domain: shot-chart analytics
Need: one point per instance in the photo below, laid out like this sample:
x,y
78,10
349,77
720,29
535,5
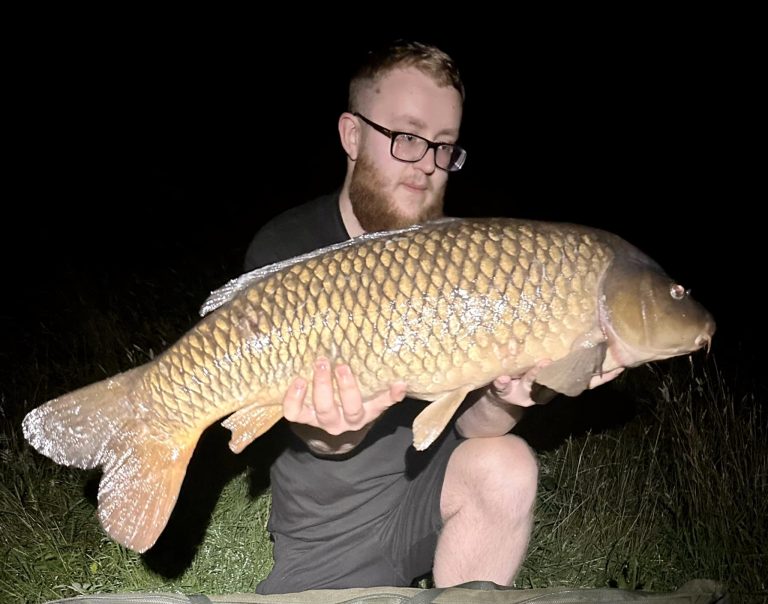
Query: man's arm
x,y
334,426
502,404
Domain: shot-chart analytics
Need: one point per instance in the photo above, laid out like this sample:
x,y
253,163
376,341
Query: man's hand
x,y
506,389
515,391
501,405
335,416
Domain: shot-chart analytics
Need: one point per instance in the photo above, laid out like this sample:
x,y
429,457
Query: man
x,y
353,503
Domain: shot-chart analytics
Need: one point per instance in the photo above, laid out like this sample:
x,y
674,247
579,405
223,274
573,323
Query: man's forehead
x,y
413,99
400,81
401,78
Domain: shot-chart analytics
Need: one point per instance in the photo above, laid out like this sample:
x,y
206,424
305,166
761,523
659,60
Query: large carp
x,y
445,307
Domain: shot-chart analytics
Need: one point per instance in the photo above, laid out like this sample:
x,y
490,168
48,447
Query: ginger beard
x,y
373,207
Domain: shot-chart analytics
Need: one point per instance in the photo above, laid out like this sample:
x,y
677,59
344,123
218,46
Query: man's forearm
x,y
488,416
322,443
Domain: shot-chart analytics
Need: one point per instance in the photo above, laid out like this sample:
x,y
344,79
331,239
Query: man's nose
x,y
427,163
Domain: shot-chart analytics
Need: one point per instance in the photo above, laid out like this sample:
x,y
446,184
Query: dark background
x,y
137,147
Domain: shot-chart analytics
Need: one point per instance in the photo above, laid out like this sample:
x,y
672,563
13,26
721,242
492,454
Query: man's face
x,y
387,193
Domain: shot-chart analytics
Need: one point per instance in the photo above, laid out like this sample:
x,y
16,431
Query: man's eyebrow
x,y
420,125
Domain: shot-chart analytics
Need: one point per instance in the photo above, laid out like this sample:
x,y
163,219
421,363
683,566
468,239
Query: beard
x,y
375,210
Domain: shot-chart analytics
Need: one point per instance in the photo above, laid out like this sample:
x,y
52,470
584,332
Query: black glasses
x,y
412,147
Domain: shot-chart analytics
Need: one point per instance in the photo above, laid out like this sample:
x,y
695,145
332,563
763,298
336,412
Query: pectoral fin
x,y
430,423
250,422
571,374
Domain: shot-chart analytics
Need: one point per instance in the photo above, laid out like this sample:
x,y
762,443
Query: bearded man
x,y
353,503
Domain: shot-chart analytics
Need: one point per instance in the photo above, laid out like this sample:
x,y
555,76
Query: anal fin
x,y
250,422
430,423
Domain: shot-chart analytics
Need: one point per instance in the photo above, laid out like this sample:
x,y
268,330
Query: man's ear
x,y
349,133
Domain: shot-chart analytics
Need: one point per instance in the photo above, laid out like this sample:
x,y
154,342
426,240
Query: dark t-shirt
x,y
297,231
320,498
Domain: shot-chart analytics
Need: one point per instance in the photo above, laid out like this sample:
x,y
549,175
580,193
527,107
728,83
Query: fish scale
x,y
444,307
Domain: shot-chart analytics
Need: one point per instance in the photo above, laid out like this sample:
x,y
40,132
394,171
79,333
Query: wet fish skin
x,y
444,307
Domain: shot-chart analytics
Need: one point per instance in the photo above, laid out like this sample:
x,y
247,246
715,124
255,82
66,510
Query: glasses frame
x,y
393,134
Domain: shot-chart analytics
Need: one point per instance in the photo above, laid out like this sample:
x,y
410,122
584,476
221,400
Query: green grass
x,y
680,492
677,492
52,546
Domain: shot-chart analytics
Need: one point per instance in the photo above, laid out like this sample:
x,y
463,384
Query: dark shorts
x,y
395,547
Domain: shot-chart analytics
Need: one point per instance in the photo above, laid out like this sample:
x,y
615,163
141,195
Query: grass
x,y
680,492
675,489
52,546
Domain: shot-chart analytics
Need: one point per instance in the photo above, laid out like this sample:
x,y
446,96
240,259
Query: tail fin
x,y
141,482
76,429
100,426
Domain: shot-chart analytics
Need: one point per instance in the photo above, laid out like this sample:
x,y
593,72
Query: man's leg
x,y
487,504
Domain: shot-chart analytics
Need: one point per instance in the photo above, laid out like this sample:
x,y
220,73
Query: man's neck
x,y
348,216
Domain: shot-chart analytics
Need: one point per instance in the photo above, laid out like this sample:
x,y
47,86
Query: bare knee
x,y
498,474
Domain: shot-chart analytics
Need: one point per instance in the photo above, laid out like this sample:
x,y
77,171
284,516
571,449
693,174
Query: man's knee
x,y
494,472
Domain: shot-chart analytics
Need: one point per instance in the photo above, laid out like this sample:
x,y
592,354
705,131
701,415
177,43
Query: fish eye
x,y
677,291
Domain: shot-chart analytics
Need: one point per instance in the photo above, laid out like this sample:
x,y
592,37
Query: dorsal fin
x,y
228,291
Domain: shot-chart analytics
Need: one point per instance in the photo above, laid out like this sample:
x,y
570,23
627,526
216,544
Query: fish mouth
x,y
628,355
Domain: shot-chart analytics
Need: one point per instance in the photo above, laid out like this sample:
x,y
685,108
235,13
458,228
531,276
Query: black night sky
x,y
169,147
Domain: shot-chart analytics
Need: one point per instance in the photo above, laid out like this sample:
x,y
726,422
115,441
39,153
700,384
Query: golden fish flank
x,y
445,307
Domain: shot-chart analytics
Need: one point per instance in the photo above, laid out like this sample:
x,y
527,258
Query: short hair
x,y
428,59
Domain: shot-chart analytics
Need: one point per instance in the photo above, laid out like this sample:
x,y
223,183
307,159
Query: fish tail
x,y
141,483
76,429
143,469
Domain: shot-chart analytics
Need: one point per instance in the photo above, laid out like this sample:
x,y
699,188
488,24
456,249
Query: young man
x,y
353,503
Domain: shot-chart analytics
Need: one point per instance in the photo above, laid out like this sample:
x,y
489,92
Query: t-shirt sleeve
x,y
297,231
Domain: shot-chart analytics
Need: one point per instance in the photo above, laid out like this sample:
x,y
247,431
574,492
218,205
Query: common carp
x,y
445,307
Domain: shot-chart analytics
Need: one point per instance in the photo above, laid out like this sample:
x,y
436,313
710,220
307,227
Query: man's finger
x,y
397,392
322,393
598,380
501,383
349,392
293,401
